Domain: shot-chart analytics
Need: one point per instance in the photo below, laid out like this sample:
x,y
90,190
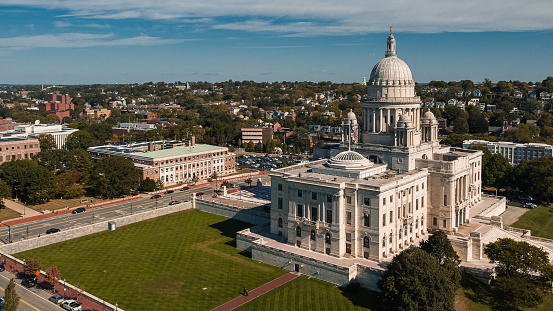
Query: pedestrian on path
x,y
246,292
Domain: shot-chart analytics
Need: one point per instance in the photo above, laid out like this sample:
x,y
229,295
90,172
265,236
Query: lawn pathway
x,y
237,302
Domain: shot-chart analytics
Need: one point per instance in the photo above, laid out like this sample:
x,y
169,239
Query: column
x,y
388,125
373,123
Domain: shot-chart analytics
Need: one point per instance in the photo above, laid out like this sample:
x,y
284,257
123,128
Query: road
x,y
116,210
31,298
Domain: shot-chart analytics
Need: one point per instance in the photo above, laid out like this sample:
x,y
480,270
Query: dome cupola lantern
x,y
391,45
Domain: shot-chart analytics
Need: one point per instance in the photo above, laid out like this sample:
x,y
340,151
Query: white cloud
x,y
79,40
322,17
61,24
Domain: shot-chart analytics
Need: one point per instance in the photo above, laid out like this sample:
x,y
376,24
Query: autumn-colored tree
x,y
31,266
52,275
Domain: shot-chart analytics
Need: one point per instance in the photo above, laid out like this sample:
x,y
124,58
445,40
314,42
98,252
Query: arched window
x,y
298,231
280,222
327,238
366,242
313,235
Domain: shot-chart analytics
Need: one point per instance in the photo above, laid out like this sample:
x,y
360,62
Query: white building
x,y
59,132
513,152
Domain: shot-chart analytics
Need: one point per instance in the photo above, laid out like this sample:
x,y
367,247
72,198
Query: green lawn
x,y
539,220
160,264
309,294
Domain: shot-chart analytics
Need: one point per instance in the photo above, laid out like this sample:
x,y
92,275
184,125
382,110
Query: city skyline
x,y
79,42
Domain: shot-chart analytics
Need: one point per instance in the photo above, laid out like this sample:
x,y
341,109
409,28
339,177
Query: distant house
x,y
146,115
477,93
490,108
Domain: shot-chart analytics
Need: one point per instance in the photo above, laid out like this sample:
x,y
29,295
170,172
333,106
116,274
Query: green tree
x,y
495,171
47,142
5,192
30,182
414,280
67,187
523,272
11,299
147,185
114,177
79,140
439,246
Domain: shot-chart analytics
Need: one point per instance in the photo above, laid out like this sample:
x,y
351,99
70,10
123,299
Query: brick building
x,y
18,148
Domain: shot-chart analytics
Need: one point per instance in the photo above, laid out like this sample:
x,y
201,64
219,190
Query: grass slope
x,y
539,220
160,264
309,294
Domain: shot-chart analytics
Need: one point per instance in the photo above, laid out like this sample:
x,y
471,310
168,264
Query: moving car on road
x,y
199,194
184,188
52,230
169,192
157,196
78,210
174,202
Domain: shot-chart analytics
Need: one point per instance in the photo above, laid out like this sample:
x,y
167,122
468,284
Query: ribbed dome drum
x,y
349,160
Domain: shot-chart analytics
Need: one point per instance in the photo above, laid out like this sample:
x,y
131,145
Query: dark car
x,y
199,194
169,192
184,188
78,210
2,267
52,230
157,196
28,283
174,202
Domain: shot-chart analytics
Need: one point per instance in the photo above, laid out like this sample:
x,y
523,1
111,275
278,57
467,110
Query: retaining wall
x,y
246,215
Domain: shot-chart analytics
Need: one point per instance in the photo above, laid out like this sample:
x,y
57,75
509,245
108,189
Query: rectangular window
x,y
422,202
367,201
435,221
279,187
348,218
314,213
300,194
279,203
314,195
391,198
445,199
299,210
391,216
348,199
417,204
348,237
329,216
384,219
444,223
329,198
384,201
367,220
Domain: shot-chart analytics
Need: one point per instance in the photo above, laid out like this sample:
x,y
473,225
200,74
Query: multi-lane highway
x,y
96,214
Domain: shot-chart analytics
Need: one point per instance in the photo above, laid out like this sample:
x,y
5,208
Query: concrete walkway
x,y
237,302
20,208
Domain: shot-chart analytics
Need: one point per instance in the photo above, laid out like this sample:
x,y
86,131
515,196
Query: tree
x,y
114,177
147,185
30,182
194,180
47,142
495,171
67,186
31,266
439,246
52,275
523,272
79,140
5,192
414,280
11,299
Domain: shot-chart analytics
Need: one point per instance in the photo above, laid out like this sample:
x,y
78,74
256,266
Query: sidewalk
x,y
20,208
267,287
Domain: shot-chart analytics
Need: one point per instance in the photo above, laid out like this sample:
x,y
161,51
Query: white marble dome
x,y
349,160
391,71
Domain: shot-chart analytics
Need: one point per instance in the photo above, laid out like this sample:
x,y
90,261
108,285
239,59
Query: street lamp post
x,y
63,288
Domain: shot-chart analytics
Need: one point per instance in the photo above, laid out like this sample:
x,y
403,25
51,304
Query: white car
x,y
71,305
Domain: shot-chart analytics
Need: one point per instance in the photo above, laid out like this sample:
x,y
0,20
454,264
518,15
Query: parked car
x,y
235,186
169,192
52,230
157,196
71,305
2,267
78,210
28,283
199,194
174,202
530,205
184,188
57,299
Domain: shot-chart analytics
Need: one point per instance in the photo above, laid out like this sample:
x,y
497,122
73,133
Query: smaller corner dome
x,y
351,115
428,116
404,118
349,160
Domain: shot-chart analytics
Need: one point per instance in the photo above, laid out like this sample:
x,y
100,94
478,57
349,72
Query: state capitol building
x,y
381,190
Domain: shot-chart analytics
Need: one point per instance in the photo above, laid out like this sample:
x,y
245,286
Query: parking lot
x,y
265,162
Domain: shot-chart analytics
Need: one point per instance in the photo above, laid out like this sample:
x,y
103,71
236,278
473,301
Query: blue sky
x,y
136,41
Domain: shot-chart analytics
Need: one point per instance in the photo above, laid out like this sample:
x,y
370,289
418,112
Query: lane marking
x,y
23,301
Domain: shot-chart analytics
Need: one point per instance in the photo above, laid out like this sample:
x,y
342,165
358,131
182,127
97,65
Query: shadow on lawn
x,y
362,297
229,227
